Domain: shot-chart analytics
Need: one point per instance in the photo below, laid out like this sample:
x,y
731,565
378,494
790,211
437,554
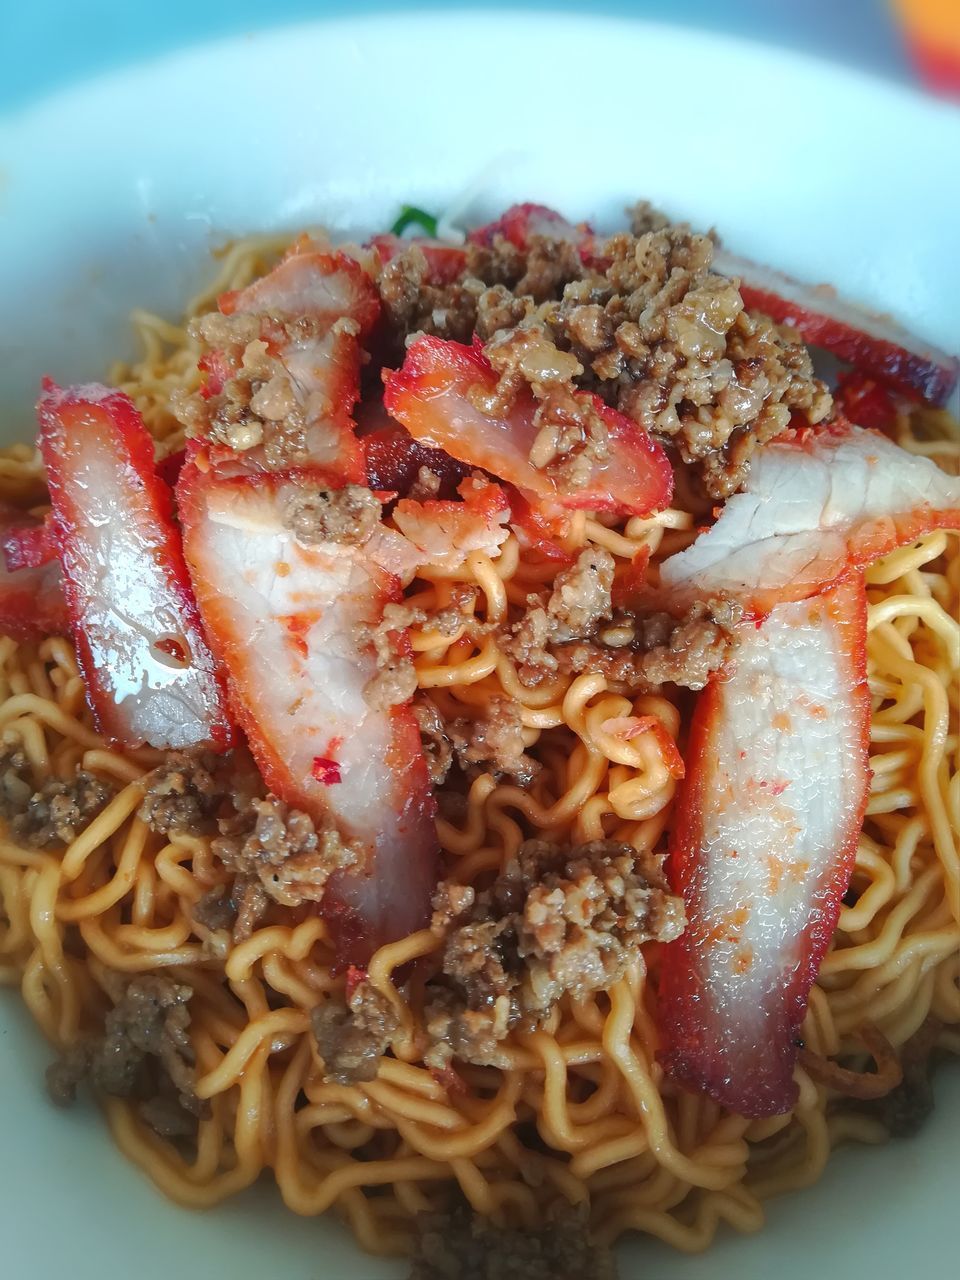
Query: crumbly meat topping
x,y
53,815
425,487
411,304
270,852
579,601
256,402
687,651
251,900
182,795
281,847
347,516
644,217
644,322
216,909
490,741
144,1052
465,1246
571,432
668,343
498,287
353,1034
907,1107
558,920
580,598
636,654
395,681
437,747
456,616
237,907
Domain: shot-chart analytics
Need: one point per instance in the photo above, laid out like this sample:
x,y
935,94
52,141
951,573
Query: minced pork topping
x,y
558,920
52,815
641,319
464,1246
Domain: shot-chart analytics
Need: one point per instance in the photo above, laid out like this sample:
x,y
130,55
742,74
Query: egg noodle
x,y
583,1114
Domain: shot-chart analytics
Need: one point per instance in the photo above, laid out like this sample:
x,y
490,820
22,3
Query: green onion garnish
x,y
411,216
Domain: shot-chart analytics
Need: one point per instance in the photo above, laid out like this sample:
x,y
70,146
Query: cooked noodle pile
x,y
582,1115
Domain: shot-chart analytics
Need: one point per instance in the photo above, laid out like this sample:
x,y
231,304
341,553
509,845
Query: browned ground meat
x,y
673,348
579,602
529,643
167,1116
353,1036
457,615
396,679
182,794
687,652
216,909
558,920
498,287
425,487
280,847
644,217
437,747
348,515
580,599
238,906
144,1052
466,1246
55,814
272,853
412,305
16,783
663,650
649,326
251,900
907,1106
258,404
490,741
522,358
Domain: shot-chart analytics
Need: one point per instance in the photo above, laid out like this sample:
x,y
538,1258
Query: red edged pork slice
x,y
32,603
861,399
816,504
314,311
434,396
149,674
445,262
394,458
872,343
521,222
539,532
292,622
445,532
327,287
26,541
763,847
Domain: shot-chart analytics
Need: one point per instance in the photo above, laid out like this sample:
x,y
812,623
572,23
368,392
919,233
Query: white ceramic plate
x,y
112,195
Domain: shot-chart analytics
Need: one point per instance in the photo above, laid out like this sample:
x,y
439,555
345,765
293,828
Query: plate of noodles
x,y
478,661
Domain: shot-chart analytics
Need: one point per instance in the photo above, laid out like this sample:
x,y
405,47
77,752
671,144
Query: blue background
x,y
48,44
